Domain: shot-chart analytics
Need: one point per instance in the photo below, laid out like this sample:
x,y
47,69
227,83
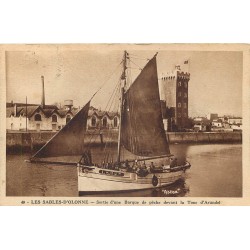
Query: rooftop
x,y
49,110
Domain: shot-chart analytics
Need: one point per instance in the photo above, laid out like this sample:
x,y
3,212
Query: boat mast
x,y
123,84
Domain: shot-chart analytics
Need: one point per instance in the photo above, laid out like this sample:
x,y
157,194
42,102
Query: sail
x,y
70,139
142,130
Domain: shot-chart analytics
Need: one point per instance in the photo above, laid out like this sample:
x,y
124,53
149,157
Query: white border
x,y
124,21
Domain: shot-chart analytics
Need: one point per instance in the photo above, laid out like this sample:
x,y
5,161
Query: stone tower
x,y
174,93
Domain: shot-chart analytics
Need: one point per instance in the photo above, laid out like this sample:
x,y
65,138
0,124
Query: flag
x,y
178,67
186,62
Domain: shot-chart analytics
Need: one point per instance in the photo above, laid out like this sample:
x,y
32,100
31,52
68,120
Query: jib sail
x,y
70,139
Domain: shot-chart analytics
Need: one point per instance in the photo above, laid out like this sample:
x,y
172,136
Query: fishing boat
x,y
141,133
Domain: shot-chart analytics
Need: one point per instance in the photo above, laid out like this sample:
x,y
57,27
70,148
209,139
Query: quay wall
x,y
205,137
31,141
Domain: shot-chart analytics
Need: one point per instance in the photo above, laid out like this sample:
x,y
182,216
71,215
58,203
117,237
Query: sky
x,y
215,76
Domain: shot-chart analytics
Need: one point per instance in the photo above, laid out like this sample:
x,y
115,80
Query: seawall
x,y
205,137
18,142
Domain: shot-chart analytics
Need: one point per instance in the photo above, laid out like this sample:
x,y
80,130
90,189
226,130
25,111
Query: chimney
x,y
15,110
43,93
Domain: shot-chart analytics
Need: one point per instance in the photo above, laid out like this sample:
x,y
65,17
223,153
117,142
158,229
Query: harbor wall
x,y
31,141
205,137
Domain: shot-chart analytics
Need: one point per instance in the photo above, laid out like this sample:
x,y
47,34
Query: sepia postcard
x,y
125,124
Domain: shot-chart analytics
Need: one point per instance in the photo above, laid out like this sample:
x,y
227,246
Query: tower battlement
x,y
183,75
176,75
169,76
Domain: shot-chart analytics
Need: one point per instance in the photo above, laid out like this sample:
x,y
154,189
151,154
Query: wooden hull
x,y
103,180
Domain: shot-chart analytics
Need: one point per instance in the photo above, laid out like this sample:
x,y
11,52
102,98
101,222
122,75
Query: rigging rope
x,y
133,68
115,90
137,57
109,131
93,134
105,81
135,64
107,109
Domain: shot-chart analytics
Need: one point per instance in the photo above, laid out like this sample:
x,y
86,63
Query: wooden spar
x,y
120,124
54,162
26,115
121,105
75,163
150,158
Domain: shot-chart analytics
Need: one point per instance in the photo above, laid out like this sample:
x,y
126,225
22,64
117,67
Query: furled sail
x,y
70,139
142,130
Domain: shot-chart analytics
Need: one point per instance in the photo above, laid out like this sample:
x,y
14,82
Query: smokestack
x,y
15,110
43,93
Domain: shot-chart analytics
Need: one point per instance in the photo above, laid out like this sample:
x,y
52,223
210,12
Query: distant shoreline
x,y
20,142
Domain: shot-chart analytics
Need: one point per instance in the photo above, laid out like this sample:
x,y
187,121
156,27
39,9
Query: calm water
x,y
216,172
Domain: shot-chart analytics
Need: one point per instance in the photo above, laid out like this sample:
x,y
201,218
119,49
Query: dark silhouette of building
x,y
174,93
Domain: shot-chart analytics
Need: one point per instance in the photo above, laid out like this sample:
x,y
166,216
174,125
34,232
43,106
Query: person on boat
x,y
145,169
144,166
152,167
86,158
148,169
117,166
103,164
82,169
142,170
135,166
127,164
139,167
173,162
108,166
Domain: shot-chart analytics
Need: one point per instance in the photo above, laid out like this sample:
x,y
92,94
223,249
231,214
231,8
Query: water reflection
x,y
178,189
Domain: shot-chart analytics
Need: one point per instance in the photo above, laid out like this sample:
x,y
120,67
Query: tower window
x,y
186,85
179,105
179,94
179,115
185,95
179,84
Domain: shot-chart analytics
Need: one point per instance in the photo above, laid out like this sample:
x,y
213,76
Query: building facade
x,y
235,120
32,117
98,119
174,92
212,116
227,123
51,118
